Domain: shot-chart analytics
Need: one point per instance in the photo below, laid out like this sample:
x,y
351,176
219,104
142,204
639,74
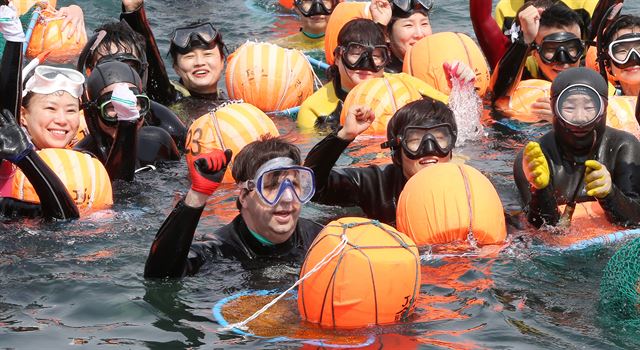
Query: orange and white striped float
x,y
447,203
372,275
518,105
424,60
621,114
342,13
48,35
384,96
268,76
234,126
85,178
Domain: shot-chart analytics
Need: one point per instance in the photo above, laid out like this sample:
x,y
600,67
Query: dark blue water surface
x,y
79,284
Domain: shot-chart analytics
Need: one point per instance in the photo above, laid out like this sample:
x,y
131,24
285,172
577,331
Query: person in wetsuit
x,y
314,16
419,134
15,146
506,12
581,159
114,109
119,42
554,39
273,187
362,54
198,53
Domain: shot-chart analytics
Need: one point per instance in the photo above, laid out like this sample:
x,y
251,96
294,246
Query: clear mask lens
x,y
272,185
579,105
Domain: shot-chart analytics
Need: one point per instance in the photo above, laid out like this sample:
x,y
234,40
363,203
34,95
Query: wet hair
x,y
623,22
29,96
544,4
424,112
173,50
560,15
359,30
255,154
399,14
120,35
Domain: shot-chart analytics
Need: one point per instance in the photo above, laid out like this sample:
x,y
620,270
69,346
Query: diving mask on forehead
x,y
310,8
562,47
579,106
624,52
280,178
357,56
185,39
408,6
47,80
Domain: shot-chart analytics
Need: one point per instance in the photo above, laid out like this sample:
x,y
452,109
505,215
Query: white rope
x,y
334,253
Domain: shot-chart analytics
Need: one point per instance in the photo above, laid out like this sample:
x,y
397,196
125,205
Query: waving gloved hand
x,y
125,103
10,25
207,170
457,70
535,167
14,143
597,179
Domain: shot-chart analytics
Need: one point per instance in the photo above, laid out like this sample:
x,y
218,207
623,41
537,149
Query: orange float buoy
x,y
384,95
23,6
447,202
85,178
372,275
288,4
621,114
424,60
48,35
268,76
342,13
518,105
232,126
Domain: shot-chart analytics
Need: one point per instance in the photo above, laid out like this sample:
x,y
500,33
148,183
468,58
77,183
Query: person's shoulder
x,y
309,227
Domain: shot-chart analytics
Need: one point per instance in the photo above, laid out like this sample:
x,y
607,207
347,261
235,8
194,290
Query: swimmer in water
x,y
362,54
553,36
114,110
419,134
581,159
272,189
119,42
314,16
50,118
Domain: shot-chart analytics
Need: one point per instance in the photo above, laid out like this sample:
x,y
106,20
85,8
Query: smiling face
x,y
411,167
51,120
405,32
200,69
551,70
630,76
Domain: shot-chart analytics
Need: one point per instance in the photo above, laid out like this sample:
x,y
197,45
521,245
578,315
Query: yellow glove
x,y
535,166
597,179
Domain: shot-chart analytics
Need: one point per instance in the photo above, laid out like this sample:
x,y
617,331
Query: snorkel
x,y
612,14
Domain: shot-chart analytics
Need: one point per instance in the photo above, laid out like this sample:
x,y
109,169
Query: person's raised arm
x,y
490,37
169,252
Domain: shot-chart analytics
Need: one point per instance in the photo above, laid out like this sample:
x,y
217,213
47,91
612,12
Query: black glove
x,y
14,142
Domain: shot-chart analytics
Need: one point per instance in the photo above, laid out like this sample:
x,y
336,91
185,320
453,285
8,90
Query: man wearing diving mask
x,y
272,189
581,159
619,52
419,134
553,37
314,16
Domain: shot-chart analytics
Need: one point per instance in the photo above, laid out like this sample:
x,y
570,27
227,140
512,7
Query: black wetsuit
x,y
173,254
394,65
511,69
619,151
374,189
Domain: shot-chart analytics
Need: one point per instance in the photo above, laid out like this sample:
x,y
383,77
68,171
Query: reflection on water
x,y
80,283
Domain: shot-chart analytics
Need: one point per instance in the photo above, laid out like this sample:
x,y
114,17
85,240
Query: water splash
x,y
467,109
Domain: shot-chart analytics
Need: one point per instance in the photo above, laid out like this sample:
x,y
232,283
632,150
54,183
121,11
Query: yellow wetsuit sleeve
x,y
422,87
321,104
506,9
